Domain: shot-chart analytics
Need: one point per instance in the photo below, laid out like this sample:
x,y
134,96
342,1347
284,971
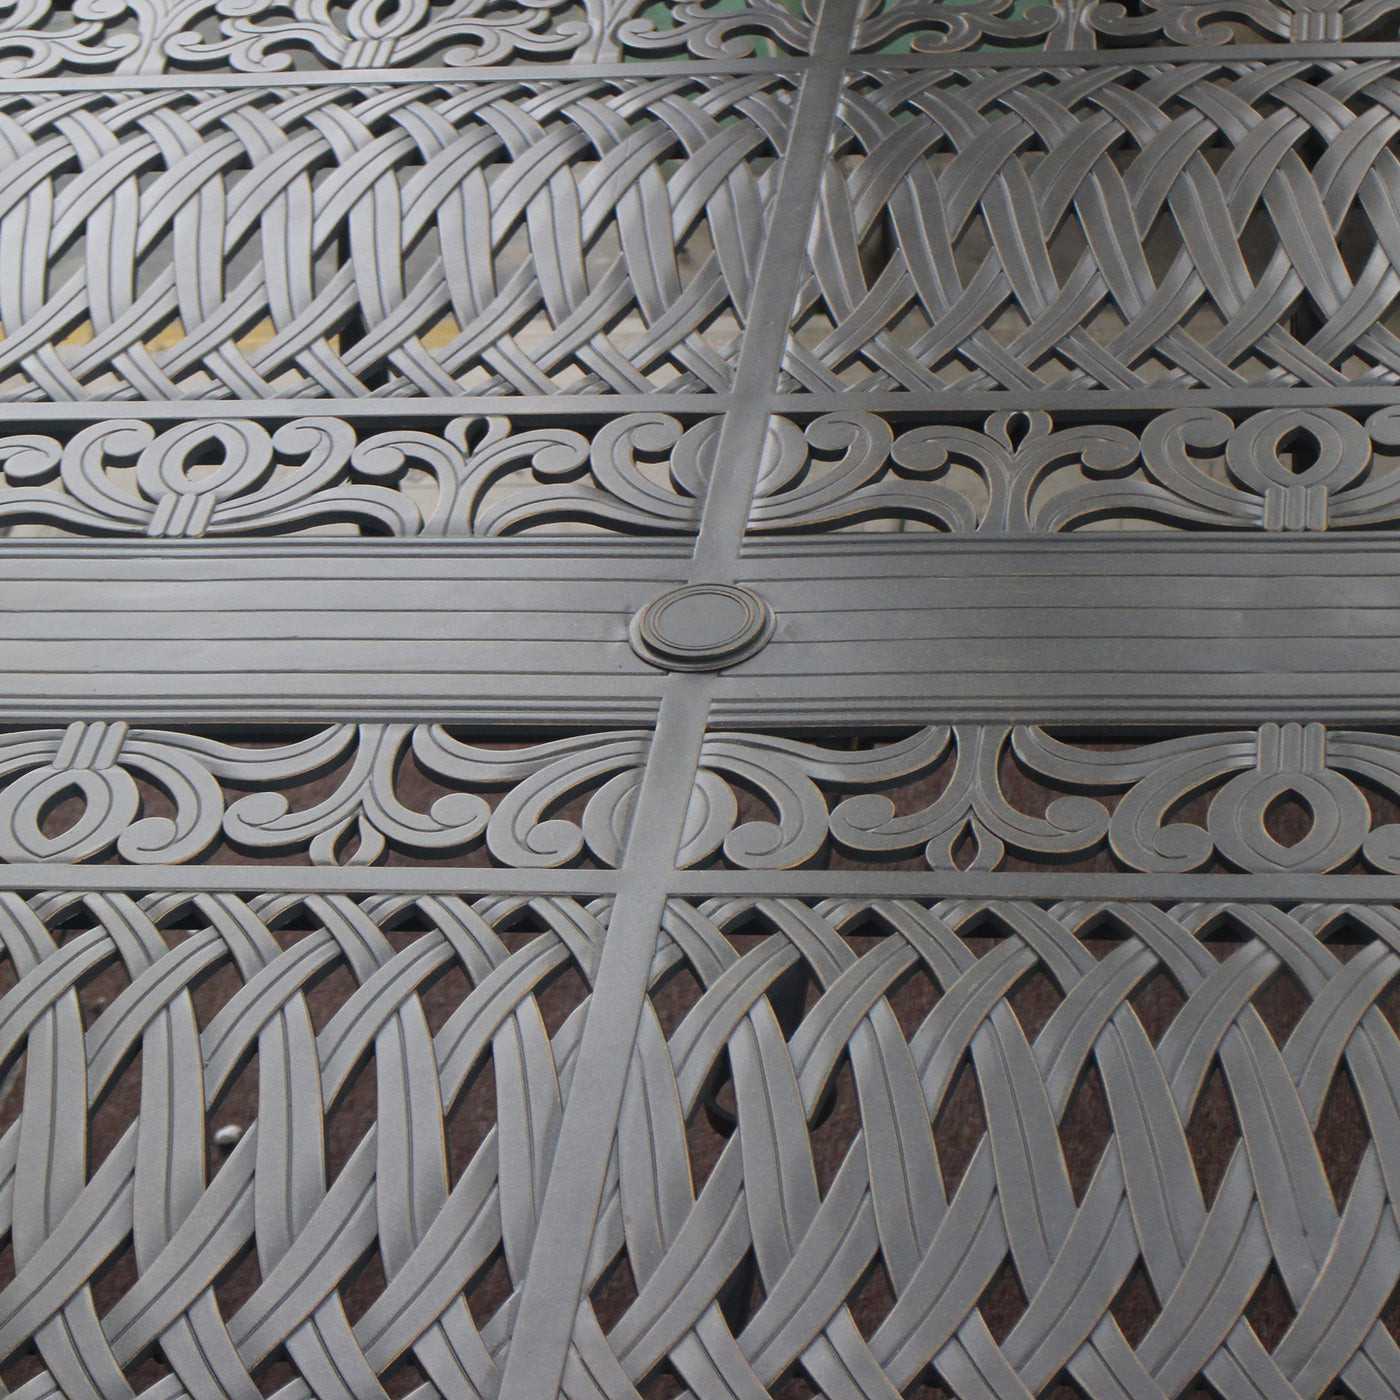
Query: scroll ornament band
x,y
356,823
1285,469
798,799
1088,24
261,36
817,795
1280,470
154,36
479,476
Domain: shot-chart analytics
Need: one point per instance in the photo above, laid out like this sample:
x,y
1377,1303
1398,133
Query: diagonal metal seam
x,y
738,455
552,1292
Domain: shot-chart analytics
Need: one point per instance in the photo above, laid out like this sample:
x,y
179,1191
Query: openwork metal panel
x,y
699,700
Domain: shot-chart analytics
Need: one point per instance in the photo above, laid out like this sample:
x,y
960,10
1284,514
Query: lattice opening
x,y
22,1367
1270,1311
1105,324
1345,938
521,927
1035,999
489,1289
238,1282
795,1386
561,997
1065,1388
117,1278
1212,1132
116,1112
912,998
1086,1129
471,1119
405,1377
1006,326
355,1107
674,997
1390,1315
1136,1306
1067,246
11,1084
872,1299
812,324
614,1292
402,925
1343,1136
24,1363
960,1127
277,1372
905,327
329,994
663,1384
836,1125
879,244
741,1295
1157,1002
1281,1003
441,997
362,1285
718,1101
1388,1003
231,1115
1356,242
1003,1302
972,244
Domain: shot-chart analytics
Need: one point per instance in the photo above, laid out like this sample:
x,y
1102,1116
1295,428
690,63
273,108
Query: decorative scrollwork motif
x,y
1227,21
260,36
975,796
1086,230
1285,469
929,26
360,242
478,476
967,796
507,800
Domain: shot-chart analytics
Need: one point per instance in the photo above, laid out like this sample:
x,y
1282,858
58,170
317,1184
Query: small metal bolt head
x,y
702,627
230,1135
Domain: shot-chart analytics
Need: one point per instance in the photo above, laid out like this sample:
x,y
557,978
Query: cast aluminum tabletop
x,y
699,699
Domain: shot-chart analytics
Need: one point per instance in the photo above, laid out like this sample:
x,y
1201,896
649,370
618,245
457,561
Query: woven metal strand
x,y
757,1212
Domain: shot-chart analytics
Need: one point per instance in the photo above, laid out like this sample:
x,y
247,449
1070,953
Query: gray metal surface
x,y
886,628
600,600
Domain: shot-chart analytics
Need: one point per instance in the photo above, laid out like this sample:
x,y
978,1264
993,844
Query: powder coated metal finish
x,y
596,598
